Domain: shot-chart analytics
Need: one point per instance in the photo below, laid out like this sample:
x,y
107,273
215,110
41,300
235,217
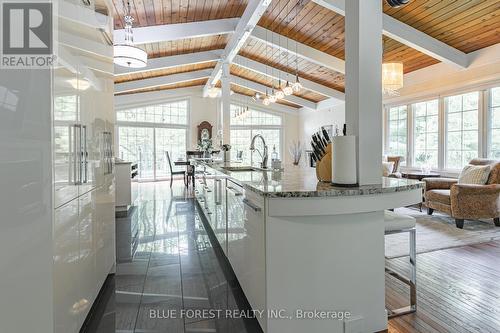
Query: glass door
x,y
137,145
173,141
148,147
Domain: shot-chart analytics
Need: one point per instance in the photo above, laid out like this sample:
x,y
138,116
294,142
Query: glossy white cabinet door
x,y
87,259
66,117
66,268
91,130
235,225
250,268
220,225
104,232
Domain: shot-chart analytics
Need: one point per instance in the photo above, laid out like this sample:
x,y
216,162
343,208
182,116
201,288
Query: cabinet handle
x,y
218,191
235,192
85,155
77,168
251,205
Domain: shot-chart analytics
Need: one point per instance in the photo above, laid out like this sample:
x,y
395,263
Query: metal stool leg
x,y
411,282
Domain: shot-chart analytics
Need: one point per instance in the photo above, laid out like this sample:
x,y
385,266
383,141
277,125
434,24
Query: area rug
x,y
438,232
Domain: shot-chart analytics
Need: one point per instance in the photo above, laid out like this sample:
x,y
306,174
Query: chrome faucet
x,y
264,156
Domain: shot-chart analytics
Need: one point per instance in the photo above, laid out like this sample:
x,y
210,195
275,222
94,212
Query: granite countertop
x,y
300,182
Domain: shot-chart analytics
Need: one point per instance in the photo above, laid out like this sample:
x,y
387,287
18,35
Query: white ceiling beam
x,y
277,74
170,32
85,45
172,61
303,51
262,89
252,14
410,36
161,81
83,16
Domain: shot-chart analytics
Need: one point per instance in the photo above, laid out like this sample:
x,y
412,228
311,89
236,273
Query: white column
x,y
363,39
225,103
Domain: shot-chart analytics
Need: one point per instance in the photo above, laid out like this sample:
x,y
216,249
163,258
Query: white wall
x,y
312,120
206,109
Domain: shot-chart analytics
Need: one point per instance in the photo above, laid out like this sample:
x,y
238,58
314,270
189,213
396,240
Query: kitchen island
x,y
308,254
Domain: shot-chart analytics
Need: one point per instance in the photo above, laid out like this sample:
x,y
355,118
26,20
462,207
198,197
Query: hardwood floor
x,y
458,291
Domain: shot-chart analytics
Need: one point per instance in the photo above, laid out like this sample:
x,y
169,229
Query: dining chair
x,y
190,170
173,173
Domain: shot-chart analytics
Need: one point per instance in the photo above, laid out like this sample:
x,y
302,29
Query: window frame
x,y
388,136
484,120
446,131
412,107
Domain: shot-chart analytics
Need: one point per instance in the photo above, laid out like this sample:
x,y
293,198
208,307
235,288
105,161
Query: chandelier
x,y
392,77
126,54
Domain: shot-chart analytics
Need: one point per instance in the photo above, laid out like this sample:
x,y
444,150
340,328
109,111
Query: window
x,y
426,134
254,122
146,133
397,118
494,124
462,129
166,113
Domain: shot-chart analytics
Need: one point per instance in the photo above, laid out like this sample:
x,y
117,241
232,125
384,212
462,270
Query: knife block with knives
x,y
322,155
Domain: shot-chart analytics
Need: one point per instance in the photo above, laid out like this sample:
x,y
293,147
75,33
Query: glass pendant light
x,y
280,94
287,90
126,54
392,77
273,97
296,86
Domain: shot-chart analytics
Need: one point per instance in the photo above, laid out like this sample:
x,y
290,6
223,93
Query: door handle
x,y
254,207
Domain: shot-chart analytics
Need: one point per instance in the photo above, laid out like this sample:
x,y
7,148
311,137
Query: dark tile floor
x,y
166,270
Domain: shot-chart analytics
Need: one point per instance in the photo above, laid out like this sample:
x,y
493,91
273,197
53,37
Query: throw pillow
x,y
474,174
387,168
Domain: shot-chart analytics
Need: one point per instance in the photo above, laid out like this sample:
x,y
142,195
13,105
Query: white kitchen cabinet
x,y
57,186
235,223
66,267
251,262
219,222
246,243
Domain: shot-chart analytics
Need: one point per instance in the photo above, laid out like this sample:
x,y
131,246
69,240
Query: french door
x,y
148,145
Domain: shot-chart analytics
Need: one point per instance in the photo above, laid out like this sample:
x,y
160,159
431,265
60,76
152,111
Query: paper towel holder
x,y
344,164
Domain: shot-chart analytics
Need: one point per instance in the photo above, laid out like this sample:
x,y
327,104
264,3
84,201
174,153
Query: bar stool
x,y
395,224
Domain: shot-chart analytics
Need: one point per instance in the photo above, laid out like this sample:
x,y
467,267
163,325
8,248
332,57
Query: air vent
x,y
397,3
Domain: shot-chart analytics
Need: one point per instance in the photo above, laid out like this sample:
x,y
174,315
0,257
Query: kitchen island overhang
x,y
307,247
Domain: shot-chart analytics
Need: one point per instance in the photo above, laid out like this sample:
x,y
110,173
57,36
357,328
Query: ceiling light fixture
x,y
126,54
397,3
392,77
288,89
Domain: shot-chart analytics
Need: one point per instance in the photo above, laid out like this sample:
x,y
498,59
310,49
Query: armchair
x,y
466,201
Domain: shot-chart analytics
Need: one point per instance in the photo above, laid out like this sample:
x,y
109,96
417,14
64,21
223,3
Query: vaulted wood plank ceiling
x,y
467,25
